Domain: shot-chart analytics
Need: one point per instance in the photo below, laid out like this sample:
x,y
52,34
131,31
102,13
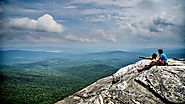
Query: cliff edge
x,y
158,85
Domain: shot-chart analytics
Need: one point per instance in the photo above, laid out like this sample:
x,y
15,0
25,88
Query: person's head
x,y
160,51
154,56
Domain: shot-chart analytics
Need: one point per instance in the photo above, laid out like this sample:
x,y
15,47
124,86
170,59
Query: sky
x,y
93,25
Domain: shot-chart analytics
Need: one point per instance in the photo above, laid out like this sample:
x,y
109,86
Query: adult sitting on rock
x,y
162,58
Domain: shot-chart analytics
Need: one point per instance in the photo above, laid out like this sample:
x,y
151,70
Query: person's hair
x,y
160,51
154,54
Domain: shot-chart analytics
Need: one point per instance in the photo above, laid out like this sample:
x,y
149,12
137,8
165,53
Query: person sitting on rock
x,y
162,58
154,62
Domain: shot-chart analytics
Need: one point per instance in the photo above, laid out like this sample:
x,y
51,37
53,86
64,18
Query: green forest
x,y
46,82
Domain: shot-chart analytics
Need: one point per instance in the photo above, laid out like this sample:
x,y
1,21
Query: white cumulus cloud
x,y
161,22
43,23
71,37
104,35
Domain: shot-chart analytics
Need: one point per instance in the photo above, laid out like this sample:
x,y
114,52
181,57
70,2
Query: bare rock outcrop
x,y
158,85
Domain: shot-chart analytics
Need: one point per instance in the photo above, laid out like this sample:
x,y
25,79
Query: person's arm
x,y
160,61
144,57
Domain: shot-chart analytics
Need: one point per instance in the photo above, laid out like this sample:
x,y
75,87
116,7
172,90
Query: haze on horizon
x,y
92,24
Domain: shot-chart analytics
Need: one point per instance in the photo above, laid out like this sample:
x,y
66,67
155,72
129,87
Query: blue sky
x,y
94,25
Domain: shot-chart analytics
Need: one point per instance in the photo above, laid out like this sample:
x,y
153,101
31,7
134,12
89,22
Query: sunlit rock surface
x,y
158,85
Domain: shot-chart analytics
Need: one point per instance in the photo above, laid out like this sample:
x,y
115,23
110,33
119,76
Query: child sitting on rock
x,y
154,62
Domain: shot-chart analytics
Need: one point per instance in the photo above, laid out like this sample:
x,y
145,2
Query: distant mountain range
x,y
24,56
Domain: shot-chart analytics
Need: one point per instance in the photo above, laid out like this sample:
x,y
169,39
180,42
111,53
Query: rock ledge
x,y
158,85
